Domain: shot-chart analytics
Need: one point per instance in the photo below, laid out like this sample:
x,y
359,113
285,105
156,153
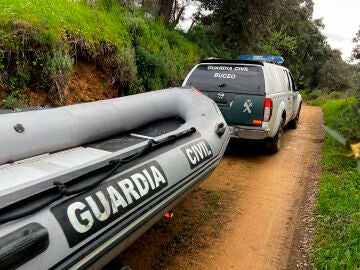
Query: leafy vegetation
x,y
16,99
56,71
40,42
356,50
336,243
135,43
284,27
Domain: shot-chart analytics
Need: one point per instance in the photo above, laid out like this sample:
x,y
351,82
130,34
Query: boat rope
x,y
97,176
33,203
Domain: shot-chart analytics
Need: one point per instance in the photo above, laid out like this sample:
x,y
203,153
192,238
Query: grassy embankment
x,y
337,241
41,42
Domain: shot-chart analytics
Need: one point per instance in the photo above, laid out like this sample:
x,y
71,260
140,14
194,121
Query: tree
x,y
311,50
283,27
280,43
356,50
165,9
171,11
241,23
335,74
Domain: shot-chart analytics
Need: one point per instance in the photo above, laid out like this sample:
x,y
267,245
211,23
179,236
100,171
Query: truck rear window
x,y
228,78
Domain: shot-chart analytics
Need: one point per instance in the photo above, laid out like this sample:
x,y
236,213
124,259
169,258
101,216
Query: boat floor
x,y
150,131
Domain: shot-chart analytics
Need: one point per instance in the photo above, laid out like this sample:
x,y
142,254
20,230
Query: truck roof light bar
x,y
263,58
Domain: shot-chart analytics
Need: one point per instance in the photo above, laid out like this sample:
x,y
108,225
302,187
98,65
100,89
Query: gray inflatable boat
x,y
80,183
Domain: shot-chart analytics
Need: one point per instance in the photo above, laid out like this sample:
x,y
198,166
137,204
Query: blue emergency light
x,y
263,58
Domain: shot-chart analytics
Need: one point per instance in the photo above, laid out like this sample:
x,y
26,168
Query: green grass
x,y
319,97
138,53
52,18
337,241
339,115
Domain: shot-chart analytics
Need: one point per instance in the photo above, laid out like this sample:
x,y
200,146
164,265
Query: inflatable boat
x,y
80,183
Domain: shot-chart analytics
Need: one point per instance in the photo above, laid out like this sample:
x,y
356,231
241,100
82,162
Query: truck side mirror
x,y
300,86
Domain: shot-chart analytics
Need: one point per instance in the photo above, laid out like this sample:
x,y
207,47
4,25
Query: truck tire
x,y
294,122
274,143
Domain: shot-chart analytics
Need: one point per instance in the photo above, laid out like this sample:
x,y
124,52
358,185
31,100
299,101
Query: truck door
x,y
290,96
294,93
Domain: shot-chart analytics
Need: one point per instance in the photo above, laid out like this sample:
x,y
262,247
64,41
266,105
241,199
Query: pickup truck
x,y
257,97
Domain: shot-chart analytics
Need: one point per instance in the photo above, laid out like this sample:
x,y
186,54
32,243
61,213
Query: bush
x,y
120,68
320,97
314,96
15,39
2,79
136,27
56,71
16,99
151,68
137,53
136,87
342,118
207,41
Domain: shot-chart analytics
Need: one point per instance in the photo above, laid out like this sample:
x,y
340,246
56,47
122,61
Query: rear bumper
x,y
246,132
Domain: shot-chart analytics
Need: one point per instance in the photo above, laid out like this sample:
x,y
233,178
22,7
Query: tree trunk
x,y
177,19
165,9
192,24
145,3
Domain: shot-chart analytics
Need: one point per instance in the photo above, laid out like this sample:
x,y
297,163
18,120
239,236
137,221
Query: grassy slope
x,y
54,17
142,53
337,242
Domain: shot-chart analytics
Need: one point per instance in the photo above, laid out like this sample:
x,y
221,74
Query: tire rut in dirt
x,y
263,215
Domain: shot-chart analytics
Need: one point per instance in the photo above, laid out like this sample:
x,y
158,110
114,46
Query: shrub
x,y
135,87
120,67
15,39
136,52
136,27
2,79
151,68
56,71
16,99
343,116
207,41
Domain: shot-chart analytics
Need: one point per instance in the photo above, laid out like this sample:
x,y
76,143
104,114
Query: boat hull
x,y
86,225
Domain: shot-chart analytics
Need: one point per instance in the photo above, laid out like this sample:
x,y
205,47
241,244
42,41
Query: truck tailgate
x,y
238,108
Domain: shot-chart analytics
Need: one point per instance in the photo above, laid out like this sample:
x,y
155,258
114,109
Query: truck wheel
x,y
275,142
294,123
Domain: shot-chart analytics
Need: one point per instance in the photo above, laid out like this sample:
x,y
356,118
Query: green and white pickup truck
x,y
257,98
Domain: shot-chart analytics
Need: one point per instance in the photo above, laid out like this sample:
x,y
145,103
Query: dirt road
x,y
254,212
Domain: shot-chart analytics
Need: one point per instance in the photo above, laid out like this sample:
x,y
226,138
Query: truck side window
x,y
292,82
289,87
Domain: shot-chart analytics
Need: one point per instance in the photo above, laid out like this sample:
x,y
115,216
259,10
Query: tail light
x,y
268,105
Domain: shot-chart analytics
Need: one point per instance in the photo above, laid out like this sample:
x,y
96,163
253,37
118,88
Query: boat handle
x,y
220,129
